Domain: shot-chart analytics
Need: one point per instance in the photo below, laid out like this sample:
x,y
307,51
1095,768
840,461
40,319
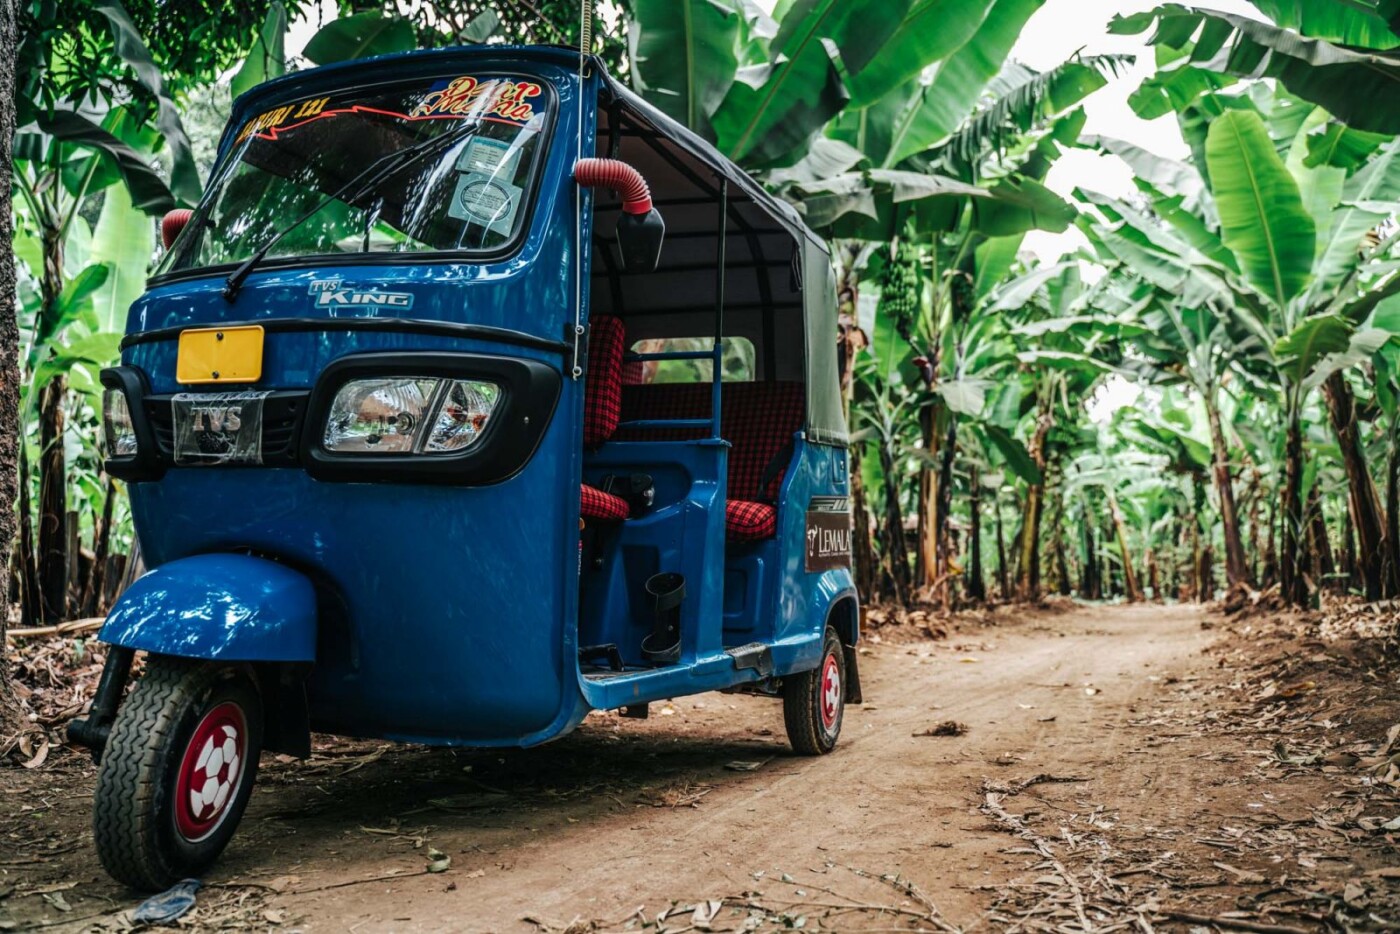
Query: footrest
x,y
755,655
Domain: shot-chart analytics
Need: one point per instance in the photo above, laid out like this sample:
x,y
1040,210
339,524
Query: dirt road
x,y
627,815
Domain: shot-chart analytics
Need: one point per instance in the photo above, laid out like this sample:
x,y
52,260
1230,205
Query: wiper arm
x,y
377,171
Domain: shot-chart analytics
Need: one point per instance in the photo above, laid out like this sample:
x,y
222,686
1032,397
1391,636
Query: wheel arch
x,y
843,616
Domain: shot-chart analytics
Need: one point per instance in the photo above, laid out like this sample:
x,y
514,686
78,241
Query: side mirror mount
x,y
172,223
639,239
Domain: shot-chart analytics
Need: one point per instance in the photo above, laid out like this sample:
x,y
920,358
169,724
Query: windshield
x,y
466,194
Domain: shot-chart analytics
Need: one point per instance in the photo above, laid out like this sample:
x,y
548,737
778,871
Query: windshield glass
x,y
467,193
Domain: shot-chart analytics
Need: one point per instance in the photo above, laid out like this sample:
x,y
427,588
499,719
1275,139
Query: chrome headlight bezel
x,y
118,424
145,462
406,415
526,393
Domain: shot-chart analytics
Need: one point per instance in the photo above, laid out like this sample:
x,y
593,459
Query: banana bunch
x,y
900,291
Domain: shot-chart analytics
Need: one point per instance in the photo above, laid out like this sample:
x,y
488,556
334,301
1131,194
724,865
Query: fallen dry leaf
x,y
946,728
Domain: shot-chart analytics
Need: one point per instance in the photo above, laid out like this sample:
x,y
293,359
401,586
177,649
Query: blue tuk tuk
x,y
475,395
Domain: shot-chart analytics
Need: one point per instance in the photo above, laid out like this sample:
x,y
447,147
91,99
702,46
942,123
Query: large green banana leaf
x,y
1262,216
126,39
684,56
1358,86
1301,349
360,36
1375,185
858,27
147,188
124,238
772,110
932,31
936,109
1342,21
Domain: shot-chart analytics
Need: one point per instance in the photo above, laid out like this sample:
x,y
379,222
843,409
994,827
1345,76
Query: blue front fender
x,y
218,607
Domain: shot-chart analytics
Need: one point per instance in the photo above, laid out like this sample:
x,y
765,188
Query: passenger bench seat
x,y
757,419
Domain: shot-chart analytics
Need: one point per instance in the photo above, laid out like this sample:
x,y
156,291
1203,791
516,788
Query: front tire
x,y
176,772
814,702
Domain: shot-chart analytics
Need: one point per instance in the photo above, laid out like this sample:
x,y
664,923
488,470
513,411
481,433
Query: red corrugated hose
x,y
618,176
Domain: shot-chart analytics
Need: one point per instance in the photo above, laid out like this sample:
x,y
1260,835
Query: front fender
x,y
220,607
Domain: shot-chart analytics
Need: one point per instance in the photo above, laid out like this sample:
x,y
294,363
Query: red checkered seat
x,y
757,419
602,408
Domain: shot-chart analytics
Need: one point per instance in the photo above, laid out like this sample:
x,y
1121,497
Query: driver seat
x,y
602,410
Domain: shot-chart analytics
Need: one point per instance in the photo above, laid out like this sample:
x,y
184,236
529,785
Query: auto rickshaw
x,y
475,395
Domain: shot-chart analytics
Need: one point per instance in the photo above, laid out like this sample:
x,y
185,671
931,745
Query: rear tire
x,y
176,772
814,702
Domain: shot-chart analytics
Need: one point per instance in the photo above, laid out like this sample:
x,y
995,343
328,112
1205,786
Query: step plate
x,y
755,655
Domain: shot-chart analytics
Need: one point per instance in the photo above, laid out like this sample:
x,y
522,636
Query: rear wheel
x,y
176,772
814,702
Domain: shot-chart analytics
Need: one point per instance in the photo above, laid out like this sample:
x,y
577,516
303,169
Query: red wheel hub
x,y
831,692
210,771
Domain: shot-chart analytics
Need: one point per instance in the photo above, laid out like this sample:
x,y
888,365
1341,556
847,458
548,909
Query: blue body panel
x,y
451,614
221,607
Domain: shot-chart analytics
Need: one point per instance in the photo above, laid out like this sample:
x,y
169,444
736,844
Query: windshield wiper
x,y
377,171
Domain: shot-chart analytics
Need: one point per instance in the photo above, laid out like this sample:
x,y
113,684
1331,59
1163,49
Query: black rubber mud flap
x,y
853,695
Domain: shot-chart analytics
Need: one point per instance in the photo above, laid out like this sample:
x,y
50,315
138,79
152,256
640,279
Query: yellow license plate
x,y
220,355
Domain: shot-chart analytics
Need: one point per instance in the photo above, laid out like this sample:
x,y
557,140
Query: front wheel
x,y
176,772
814,702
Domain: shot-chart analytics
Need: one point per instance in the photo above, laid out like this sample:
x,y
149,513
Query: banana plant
x,y
1272,233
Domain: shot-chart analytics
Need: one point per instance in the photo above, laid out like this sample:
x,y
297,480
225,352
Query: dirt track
x,y
628,814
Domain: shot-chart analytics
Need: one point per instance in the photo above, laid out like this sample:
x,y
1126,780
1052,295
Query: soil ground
x,y
1142,767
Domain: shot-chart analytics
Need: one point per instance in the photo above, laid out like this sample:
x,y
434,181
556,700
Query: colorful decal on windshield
x,y
499,100
468,96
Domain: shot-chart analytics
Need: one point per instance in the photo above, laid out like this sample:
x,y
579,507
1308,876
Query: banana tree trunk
x,y
53,482
1197,586
101,547
1271,563
24,545
53,504
1350,574
1206,575
1363,500
1003,575
1154,579
1318,541
1088,585
976,587
1063,585
862,553
1236,567
10,439
1130,582
1028,586
1293,583
896,549
926,560
942,531
1392,510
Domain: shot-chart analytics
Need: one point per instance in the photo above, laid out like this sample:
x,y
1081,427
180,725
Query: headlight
x,y
408,415
117,424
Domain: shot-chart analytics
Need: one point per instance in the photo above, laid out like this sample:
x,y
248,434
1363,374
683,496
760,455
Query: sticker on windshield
x,y
489,202
487,156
